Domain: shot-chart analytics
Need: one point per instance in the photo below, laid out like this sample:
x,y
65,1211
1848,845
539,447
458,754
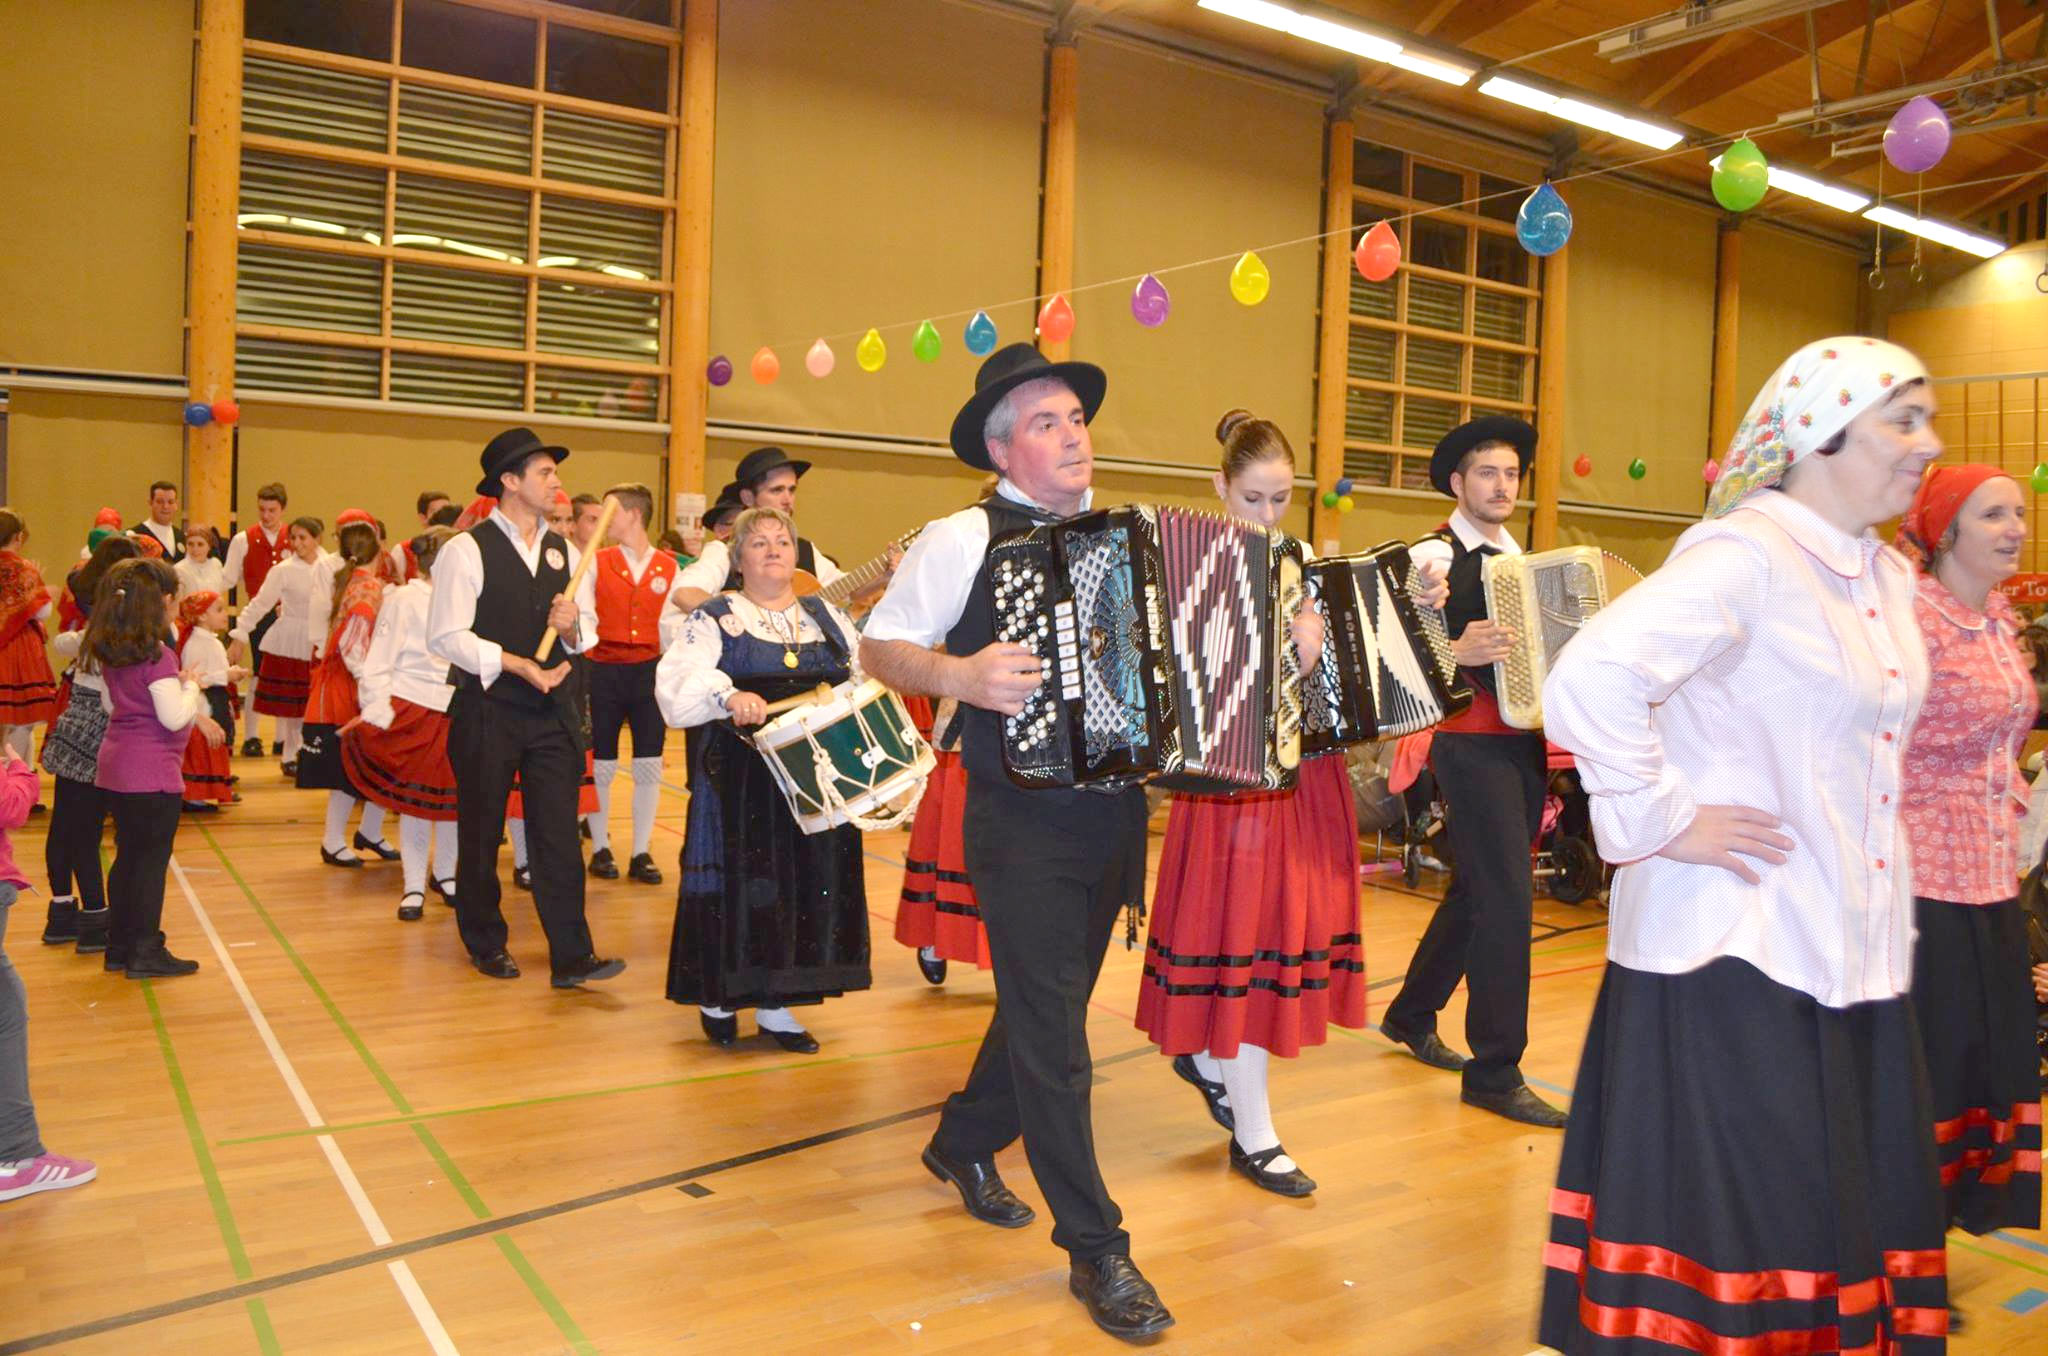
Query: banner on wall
x,y
2026,590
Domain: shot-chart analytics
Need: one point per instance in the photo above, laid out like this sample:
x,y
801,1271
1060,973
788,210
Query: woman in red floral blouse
x,y
1963,800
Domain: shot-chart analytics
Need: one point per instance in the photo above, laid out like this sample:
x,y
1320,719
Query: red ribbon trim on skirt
x,y
2002,1128
1979,1162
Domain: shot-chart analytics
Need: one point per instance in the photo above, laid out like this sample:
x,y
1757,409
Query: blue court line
x,y
2026,1301
878,857
2007,1236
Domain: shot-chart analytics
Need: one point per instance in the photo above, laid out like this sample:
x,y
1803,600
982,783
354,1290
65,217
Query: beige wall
x,y
1793,292
69,454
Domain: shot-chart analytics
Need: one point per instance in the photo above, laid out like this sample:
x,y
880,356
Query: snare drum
x,y
856,759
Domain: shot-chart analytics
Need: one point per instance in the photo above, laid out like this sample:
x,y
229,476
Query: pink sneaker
x,y
51,1172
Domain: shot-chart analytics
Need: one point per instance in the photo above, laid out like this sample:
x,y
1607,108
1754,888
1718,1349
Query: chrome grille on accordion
x,y
1386,667
1544,598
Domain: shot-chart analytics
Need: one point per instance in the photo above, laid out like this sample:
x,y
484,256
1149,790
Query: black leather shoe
x,y
1517,1104
60,924
643,869
149,960
720,1031
933,968
114,958
336,859
1212,1093
1427,1047
796,1042
1119,1298
411,908
498,965
252,748
586,970
602,866
291,769
383,850
981,1189
523,878
1293,1182
443,888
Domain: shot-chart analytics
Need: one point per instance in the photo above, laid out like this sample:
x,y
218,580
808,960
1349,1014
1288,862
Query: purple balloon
x,y
719,370
1916,138
1149,302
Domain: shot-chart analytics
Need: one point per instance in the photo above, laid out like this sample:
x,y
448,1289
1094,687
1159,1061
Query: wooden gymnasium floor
x,y
338,1138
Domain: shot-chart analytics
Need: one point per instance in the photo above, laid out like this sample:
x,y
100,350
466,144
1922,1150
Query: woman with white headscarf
x,y
1750,1163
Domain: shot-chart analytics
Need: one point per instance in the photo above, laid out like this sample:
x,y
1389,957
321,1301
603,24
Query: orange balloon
x,y
1056,319
766,366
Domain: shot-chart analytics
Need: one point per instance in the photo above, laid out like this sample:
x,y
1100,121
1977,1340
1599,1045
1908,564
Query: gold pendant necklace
x,y
785,634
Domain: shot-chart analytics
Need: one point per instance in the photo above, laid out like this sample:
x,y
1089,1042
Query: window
x,y
1452,334
483,221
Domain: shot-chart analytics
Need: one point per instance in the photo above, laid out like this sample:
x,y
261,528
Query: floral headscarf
x,y
1810,398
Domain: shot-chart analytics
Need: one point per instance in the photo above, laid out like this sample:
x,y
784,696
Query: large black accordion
x,y
1386,667
1166,650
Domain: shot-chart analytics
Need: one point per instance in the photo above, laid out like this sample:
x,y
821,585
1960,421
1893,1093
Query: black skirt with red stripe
x,y
1747,1173
282,685
1975,1004
405,768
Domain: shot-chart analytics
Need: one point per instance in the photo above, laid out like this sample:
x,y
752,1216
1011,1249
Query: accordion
x,y
1386,667
1545,598
1167,658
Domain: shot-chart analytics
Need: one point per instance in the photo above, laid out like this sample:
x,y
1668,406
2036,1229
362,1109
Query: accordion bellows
x,y
1545,598
1166,651
1386,667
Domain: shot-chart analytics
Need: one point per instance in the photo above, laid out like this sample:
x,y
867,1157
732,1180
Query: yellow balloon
x,y
871,352
1249,281
1345,503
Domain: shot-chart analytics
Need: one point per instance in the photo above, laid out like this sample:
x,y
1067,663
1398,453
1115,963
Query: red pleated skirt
x,y
208,777
28,690
405,769
586,795
1255,934
282,685
938,908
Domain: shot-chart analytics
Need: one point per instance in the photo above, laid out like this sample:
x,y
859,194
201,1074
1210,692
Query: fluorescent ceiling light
x,y
1802,186
1940,232
1584,113
1342,36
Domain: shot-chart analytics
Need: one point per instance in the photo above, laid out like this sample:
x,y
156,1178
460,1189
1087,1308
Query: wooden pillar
x,y
1334,349
689,347
1549,467
1056,186
1727,406
210,260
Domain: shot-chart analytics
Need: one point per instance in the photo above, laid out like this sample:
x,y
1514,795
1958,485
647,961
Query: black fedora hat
x,y
1004,371
504,453
725,506
759,462
1491,428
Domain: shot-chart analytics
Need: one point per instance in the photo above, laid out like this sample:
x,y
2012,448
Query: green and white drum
x,y
854,759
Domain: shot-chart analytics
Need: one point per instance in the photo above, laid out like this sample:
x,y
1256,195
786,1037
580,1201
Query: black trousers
x,y
488,742
623,695
1493,792
145,827
1051,869
71,853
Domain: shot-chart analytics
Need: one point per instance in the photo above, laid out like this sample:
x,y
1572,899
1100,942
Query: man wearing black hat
x,y
1052,866
765,478
497,587
1492,777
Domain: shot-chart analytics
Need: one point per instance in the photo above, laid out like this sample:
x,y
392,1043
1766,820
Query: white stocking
x,y
415,839
339,804
290,732
646,800
602,771
776,1019
444,852
515,829
1245,1077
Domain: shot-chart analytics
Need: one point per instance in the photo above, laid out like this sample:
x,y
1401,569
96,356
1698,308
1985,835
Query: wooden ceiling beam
x,y
1764,55
1968,48
1456,24
2028,161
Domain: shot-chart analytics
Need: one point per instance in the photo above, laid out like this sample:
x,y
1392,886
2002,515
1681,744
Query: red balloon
x,y
226,411
1711,472
1056,320
1378,253
1583,467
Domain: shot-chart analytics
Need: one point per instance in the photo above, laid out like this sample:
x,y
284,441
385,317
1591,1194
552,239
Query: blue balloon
x,y
1544,223
981,335
198,414
1343,484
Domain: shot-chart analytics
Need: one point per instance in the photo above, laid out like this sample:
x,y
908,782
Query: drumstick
x,y
604,520
821,693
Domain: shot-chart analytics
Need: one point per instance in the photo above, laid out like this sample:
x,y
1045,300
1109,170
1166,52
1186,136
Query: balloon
x,y
1330,498
719,370
1916,138
1378,253
1742,178
1544,223
1056,319
924,345
766,366
818,362
198,414
871,352
226,411
1711,472
1149,302
1249,281
2040,479
1637,470
1345,503
1343,484
980,336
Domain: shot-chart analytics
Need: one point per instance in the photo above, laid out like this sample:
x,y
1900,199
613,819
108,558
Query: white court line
x,y
401,1273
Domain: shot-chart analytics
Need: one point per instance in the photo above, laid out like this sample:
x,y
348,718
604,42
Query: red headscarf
x,y
1942,492
347,516
107,517
478,510
191,608
147,546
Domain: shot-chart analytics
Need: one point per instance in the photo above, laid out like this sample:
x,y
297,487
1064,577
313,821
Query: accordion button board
x,y
1545,597
1386,668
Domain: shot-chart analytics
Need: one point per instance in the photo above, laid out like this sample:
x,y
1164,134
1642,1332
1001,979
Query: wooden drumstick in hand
x,y
604,522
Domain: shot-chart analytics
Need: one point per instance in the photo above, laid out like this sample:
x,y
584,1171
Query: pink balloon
x,y
818,362
1916,138
1711,472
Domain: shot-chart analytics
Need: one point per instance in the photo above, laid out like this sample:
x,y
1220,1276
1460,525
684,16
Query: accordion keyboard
x,y
1402,697
1037,736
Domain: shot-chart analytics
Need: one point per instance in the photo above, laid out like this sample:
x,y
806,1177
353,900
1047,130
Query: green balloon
x,y
2040,479
925,343
1636,469
1742,178
1329,499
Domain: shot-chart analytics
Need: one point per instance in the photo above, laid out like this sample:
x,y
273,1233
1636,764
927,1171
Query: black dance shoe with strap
x,y
643,869
383,850
1257,1168
1212,1093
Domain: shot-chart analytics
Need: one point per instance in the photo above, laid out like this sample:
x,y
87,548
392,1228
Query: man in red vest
x,y
250,556
635,584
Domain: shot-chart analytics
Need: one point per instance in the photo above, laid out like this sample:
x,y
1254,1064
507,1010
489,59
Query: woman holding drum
x,y
768,917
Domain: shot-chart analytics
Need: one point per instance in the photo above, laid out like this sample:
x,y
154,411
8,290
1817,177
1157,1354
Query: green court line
x,y
549,1302
1577,946
216,1191
552,1098
1968,1246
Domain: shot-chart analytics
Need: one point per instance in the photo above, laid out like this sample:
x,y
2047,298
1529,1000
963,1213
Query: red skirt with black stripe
x,y
1254,934
282,685
405,769
1747,1172
208,778
28,689
938,907
586,794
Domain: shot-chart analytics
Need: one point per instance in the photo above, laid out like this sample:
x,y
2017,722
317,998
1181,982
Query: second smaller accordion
x,y
1544,598
1386,668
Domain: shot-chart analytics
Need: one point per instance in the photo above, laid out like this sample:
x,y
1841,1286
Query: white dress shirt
x,y
709,571
289,588
1470,535
200,576
167,533
688,684
459,579
399,665
1773,662
929,590
206,657
238,553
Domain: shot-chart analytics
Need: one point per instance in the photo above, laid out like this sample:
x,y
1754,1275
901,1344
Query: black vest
x,y
1467,603
512,611
806,560
981,731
